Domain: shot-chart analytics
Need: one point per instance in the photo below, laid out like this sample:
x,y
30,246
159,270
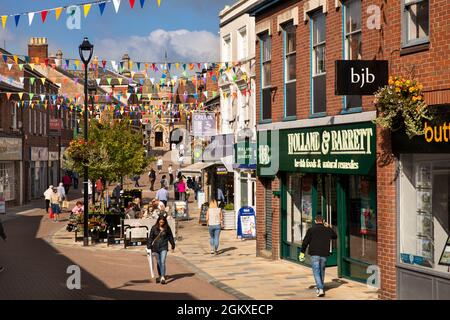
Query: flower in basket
x,y
400,105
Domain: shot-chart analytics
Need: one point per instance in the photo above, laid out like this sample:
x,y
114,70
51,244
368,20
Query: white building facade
x,y
238,97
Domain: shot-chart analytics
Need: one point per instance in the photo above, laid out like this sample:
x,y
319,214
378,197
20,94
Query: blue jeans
x,y
318,267
161,262
214,233
56,209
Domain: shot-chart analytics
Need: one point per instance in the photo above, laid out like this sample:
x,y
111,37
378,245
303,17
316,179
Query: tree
x,y
113,151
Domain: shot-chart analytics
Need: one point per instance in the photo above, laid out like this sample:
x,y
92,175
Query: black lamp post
x,y
86,49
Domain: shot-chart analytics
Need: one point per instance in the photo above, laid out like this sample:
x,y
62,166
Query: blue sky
x,y
187,29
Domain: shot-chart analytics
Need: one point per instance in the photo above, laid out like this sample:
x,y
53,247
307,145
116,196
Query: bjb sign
x,y
360,77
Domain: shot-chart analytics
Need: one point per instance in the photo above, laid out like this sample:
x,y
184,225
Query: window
x,y
45,124
40,123
353,47
318,63
415,22
299,207
13,116
29,119
35,121
7,180
266,73
242,43
425,211
226,54
290,61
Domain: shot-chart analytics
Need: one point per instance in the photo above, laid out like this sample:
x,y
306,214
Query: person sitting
x,y
78,209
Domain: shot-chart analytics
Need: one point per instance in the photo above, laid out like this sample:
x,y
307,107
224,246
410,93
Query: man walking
x,y
318,239
163,195
67,181
3,236
152,177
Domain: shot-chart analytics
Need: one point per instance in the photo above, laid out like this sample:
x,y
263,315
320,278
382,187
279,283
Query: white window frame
x,y
405,23
347,34
242,43
289,54
266,38
318,45
227,49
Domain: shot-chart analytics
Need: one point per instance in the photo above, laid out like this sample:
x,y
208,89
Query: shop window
x,y
425,211
318,63
299,207
290,61
244,190
7,182
353,43
226,53
266,74
415,23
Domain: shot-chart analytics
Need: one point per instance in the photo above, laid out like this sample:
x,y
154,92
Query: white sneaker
x,y
320,293
163,280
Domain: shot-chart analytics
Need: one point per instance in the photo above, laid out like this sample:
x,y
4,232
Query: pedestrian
x,y
220,196
99,188
164,182
189,183
75,178
175,189
3,236
54,202
318,239
136,181
67,181
47,196
90,187
170,171
181,149
180,160
62,194
163,195
158,242
159,164
152,178
78,209
182,189
214,220
116,193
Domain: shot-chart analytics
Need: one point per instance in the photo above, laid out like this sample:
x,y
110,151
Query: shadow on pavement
x,y
175,277
36,270
226,250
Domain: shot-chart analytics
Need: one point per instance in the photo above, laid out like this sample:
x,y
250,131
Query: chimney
x,y
38,48
59,57
126,65
94,66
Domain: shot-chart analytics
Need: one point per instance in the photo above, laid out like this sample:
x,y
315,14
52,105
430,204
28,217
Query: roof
x,y
197,167
260,6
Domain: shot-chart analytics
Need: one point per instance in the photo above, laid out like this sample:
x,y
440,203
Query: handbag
x,y
154,240
50,212
65,204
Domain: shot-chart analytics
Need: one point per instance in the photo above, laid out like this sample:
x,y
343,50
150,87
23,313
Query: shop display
x,y
425,225
445,257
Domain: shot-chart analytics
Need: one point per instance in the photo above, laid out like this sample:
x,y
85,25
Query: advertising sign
x,y
245,155
10,149
55,124
360,77
39,154
204,124
246,227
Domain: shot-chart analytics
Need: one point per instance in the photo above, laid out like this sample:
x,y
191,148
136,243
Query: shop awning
x,y
197,168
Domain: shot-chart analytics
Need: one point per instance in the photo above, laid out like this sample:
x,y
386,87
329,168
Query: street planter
x,y
229,217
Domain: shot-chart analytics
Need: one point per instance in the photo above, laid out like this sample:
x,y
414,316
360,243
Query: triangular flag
x,y
108,80
58,13
9,66
32,79
21,66
132,3
16,59
4,19
42,97
139,96
102,6
31,95
98,81
8,95
20,95
77,63
120,80
159,3
44,15
43,80
30,17
116,5
142,3
128,95
86,9
17,18
21,79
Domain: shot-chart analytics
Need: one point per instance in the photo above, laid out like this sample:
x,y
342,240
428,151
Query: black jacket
x,y
318,239
2,231
162,242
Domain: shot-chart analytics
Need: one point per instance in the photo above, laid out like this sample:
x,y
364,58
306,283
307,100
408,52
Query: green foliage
x,y
229,206
400,105
113,151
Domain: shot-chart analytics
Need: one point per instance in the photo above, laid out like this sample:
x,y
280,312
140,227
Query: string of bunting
x,y
85,7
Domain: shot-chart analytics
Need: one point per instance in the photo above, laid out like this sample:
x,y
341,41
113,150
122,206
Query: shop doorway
x,y
159,139
347,203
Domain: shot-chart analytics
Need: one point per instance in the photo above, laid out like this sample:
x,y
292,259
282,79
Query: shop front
x,y
53,165
10,170
423,262
329,171
38,171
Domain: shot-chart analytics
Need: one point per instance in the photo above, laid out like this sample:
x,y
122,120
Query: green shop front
x,y
328,171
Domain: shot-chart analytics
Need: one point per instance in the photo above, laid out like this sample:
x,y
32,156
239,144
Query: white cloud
x,y
181,45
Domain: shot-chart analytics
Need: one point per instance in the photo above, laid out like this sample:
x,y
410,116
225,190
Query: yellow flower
x,y
397,83
412,89
414,99
408,82
419,98
397,90
420,86
391,81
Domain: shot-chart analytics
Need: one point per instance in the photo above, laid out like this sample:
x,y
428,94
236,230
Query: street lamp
x,y
86,49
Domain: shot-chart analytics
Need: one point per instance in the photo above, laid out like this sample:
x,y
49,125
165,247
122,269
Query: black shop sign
x,y
360,77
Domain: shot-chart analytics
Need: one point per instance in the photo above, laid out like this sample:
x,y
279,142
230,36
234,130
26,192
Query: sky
x,y
186,29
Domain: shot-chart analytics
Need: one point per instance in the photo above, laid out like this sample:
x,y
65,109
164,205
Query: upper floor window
x,y
266,73
13,116
226,53
242,44
318,63
415,22
290,62
353,40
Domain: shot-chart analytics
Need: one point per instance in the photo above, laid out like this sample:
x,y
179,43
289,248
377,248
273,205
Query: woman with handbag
x,y
158,242
214,219
54,203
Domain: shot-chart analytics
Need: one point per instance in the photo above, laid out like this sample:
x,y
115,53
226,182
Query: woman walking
x,y
54,202
214,220
47,196
158,242
170,171
182,189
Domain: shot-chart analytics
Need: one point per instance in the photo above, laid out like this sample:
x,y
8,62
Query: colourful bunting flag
x,y
4,19
132,3
58,13
20,95
159,3
9,66
86,9
116,5
102,6
44,15
32,79
142,4
30,17
43,80
21,66
16,19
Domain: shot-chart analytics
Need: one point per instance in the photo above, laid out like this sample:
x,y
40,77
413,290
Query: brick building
x,y
363,194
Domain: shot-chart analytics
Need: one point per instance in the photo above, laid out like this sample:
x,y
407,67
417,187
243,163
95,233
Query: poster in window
x,y
445,257
424,175
425,225
424,201
425,248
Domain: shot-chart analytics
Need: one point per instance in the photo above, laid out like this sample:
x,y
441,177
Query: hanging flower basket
x,y
400,106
